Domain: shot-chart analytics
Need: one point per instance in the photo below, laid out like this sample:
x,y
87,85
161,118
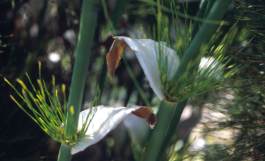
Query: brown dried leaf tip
x,y
147,114
114,55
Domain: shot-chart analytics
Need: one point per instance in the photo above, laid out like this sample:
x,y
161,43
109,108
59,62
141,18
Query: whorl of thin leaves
x,y
193,83
202,75
47,109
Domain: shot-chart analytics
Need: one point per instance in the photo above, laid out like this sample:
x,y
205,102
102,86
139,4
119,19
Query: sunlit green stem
x,y
64,153
169,114
176,117
83,50
168,118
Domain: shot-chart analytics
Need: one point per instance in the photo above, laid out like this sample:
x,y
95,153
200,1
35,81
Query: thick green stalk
x,y
64,153
168,117
88,23
169,114
176,117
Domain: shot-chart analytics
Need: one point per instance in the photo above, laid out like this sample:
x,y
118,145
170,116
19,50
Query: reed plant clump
x,y
176,71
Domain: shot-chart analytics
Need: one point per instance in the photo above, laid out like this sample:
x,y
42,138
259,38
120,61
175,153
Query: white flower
x,y
137,129
150,54
147,52
104,120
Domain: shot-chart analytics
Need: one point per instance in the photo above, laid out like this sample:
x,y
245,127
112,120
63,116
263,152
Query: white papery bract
x,y
103,121
137,129
160,63
148,53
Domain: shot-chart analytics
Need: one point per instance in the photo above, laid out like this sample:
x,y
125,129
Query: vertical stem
x,y
88,23
176,118
87,29
159,134
169,115
64,153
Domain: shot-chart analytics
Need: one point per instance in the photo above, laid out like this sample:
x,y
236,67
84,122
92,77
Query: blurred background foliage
x,y
46,31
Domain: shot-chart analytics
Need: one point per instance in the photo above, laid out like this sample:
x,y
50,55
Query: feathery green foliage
x,y
47,109
246,111
203,74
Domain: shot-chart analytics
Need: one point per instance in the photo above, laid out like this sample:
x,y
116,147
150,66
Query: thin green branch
x,y
168,118
83,51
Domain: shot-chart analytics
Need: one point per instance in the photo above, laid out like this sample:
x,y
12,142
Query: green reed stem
x,y
168,118
88,23
64,153
169,114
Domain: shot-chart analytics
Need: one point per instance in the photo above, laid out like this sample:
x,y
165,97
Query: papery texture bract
x,y
137,129
104,120
148,53
160,63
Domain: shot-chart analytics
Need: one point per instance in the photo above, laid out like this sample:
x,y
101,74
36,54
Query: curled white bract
x,y
156,57
103,121
148,53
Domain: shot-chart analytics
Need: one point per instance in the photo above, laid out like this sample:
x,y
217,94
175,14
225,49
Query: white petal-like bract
x,y
137,128
104,120
148,52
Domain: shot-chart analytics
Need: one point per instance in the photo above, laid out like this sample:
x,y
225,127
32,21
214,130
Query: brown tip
x,y
147,114
114,56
